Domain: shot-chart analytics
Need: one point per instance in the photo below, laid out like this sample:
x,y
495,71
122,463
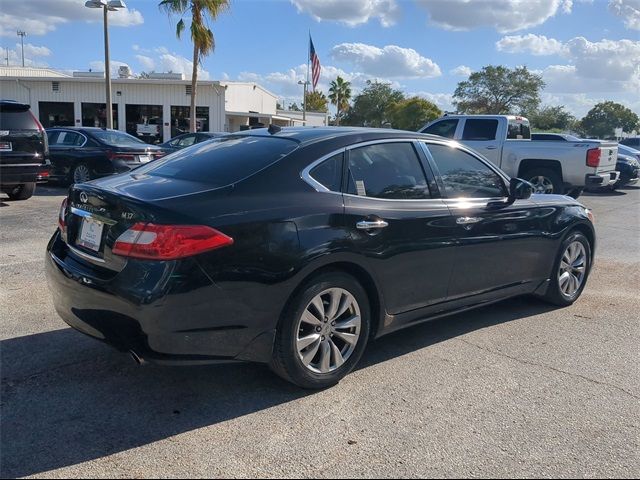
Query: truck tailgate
x,y
608,157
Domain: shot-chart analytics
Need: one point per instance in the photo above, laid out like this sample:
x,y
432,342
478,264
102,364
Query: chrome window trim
x,y
306,173
65,130
86,256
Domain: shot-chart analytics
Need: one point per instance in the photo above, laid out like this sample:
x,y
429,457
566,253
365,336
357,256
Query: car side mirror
x,y
519,189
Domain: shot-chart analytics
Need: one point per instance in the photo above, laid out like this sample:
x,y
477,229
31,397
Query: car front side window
x,y
464,176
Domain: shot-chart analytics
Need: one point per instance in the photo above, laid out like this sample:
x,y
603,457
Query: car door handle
x,y
491,147
468,220
371,224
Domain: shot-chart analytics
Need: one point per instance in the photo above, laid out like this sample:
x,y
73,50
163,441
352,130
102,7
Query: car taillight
x,y
62,218
120,156
593,157
168,242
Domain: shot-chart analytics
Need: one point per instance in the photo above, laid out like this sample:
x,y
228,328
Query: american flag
x,y
315,64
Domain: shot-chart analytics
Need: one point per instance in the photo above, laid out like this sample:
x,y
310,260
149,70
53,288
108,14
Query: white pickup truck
x,y
552,167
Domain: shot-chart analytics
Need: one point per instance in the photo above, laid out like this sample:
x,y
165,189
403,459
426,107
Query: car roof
x,y
308,135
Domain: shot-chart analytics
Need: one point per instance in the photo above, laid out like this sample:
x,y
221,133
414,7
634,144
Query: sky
x,y
586,50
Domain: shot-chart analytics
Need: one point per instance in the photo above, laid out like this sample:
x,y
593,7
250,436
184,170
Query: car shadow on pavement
x,y
67,399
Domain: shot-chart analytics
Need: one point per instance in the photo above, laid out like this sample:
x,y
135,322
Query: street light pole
x,y
304,101
107,6
22,34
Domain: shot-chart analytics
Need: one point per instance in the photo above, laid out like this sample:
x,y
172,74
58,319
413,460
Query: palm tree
x,y
340,94
201,35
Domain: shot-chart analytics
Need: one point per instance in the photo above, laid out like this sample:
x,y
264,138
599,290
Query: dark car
x,y
296,246
82,154
633,142
186,140
24,154
628,164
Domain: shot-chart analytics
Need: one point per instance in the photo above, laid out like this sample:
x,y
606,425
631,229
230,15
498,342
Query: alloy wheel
x,y
541,184
328,330
81,174
572,269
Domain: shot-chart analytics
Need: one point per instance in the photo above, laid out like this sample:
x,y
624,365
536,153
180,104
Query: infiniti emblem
x,y
83,197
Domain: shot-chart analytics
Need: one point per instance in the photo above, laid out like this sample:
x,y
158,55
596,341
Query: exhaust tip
x,y
137,358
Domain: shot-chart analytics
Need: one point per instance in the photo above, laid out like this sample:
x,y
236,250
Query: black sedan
x,y
297,246
82,154
186,140
628,164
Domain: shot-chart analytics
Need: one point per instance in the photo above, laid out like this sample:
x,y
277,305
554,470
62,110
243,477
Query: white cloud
x,y
32,55
530,43
147,63
388,62
350,12
628,10
39,17
503,15
444,101
31,50
615,60
172,62
461,71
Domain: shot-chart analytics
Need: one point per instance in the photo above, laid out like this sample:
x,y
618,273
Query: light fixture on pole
x,y
22,34
107,6
304,100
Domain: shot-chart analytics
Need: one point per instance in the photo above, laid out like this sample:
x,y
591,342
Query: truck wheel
x,y
544,180
22,192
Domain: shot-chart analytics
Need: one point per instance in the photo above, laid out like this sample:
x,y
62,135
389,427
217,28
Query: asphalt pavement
x,y
518,389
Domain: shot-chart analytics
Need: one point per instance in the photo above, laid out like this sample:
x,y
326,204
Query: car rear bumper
x,y
158,318
18,174
596,180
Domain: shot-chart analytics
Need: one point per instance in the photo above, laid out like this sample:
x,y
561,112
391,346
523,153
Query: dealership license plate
x,y
91,234
5,147
144,158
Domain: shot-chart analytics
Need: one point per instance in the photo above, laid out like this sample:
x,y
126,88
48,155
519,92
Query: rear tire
x,y
570,270
80,173
22,192
544,180
309,345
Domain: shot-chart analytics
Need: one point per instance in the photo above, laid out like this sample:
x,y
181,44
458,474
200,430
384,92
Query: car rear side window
x,y
443,128
387,170
329,173
223,161
464,176
519,129
480,129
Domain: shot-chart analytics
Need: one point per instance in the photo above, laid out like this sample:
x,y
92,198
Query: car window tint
x,y
387,170
518,129
222,161
443,128
187,141
464,176
17,121
52,137
329,173
480,129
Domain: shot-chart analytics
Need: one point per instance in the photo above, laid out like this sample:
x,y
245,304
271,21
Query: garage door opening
x,y
145,122
95,115
56,114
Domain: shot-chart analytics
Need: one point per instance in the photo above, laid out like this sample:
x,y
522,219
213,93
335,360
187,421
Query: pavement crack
x,y
548,367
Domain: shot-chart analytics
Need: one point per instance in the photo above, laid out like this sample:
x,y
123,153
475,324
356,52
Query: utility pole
x,y
22,34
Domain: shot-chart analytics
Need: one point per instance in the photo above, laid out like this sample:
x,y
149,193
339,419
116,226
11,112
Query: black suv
x,y
24,152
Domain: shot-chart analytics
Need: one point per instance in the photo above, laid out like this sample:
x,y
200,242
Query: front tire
x,y
570,271
323,332
22,192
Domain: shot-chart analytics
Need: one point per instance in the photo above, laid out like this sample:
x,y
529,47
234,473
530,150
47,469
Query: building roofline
x,y
132,81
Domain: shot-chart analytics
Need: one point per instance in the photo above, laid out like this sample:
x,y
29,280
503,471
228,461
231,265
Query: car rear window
x,y
17,121
115,138
221,161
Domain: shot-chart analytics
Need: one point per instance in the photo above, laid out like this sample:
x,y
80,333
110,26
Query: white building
x,y
154,109
314,119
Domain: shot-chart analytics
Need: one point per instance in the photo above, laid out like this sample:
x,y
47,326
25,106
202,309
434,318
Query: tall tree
x,y
317,102
372,106
499,90
201,35
340,94
602,119
413,113
548,118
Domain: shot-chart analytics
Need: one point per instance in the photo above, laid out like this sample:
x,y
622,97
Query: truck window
x,y
443,128
480,129
518,129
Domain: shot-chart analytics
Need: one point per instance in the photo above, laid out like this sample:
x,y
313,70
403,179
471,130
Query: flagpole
x,y
306,83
